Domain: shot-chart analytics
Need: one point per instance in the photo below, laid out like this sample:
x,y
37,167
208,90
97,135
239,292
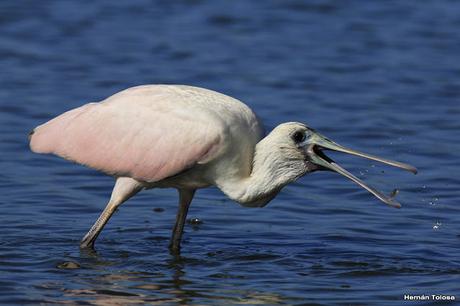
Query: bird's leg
x,y
124,189
185,198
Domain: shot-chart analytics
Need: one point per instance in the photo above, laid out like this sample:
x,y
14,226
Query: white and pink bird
x,y
159,136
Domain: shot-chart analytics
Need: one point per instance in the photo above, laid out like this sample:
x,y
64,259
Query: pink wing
x,y
146,141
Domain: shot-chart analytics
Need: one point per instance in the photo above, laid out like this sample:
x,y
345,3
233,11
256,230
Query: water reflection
x,y
133,288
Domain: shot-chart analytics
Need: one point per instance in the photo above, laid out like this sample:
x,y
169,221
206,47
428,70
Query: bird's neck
x,y
270,173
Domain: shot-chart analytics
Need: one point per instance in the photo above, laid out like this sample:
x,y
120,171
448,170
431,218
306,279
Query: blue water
x,y
379,76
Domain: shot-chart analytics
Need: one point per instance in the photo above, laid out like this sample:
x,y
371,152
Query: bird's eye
x,y
298,137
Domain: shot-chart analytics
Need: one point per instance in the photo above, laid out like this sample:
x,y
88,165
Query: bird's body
x,y
186,138
157,134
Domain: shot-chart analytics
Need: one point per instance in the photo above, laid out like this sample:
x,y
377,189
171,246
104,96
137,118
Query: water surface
x,y
382,77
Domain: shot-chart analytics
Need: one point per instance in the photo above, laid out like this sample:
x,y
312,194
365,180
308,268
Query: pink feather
x,y
139,134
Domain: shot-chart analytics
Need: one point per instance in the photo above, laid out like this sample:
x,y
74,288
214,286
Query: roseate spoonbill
x,y
184,137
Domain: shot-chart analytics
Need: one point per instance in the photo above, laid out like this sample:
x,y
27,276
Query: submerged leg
x,y
185,198
124,189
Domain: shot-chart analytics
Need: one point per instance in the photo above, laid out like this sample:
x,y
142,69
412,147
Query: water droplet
x,y
433,201
195,221
437,225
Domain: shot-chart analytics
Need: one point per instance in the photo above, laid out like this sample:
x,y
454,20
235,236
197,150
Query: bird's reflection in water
x,y
98,284
128,287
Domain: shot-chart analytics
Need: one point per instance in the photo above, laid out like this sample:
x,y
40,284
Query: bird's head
x,y
297,150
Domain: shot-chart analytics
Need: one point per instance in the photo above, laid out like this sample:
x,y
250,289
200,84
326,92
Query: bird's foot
x,y
174,249
87,243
